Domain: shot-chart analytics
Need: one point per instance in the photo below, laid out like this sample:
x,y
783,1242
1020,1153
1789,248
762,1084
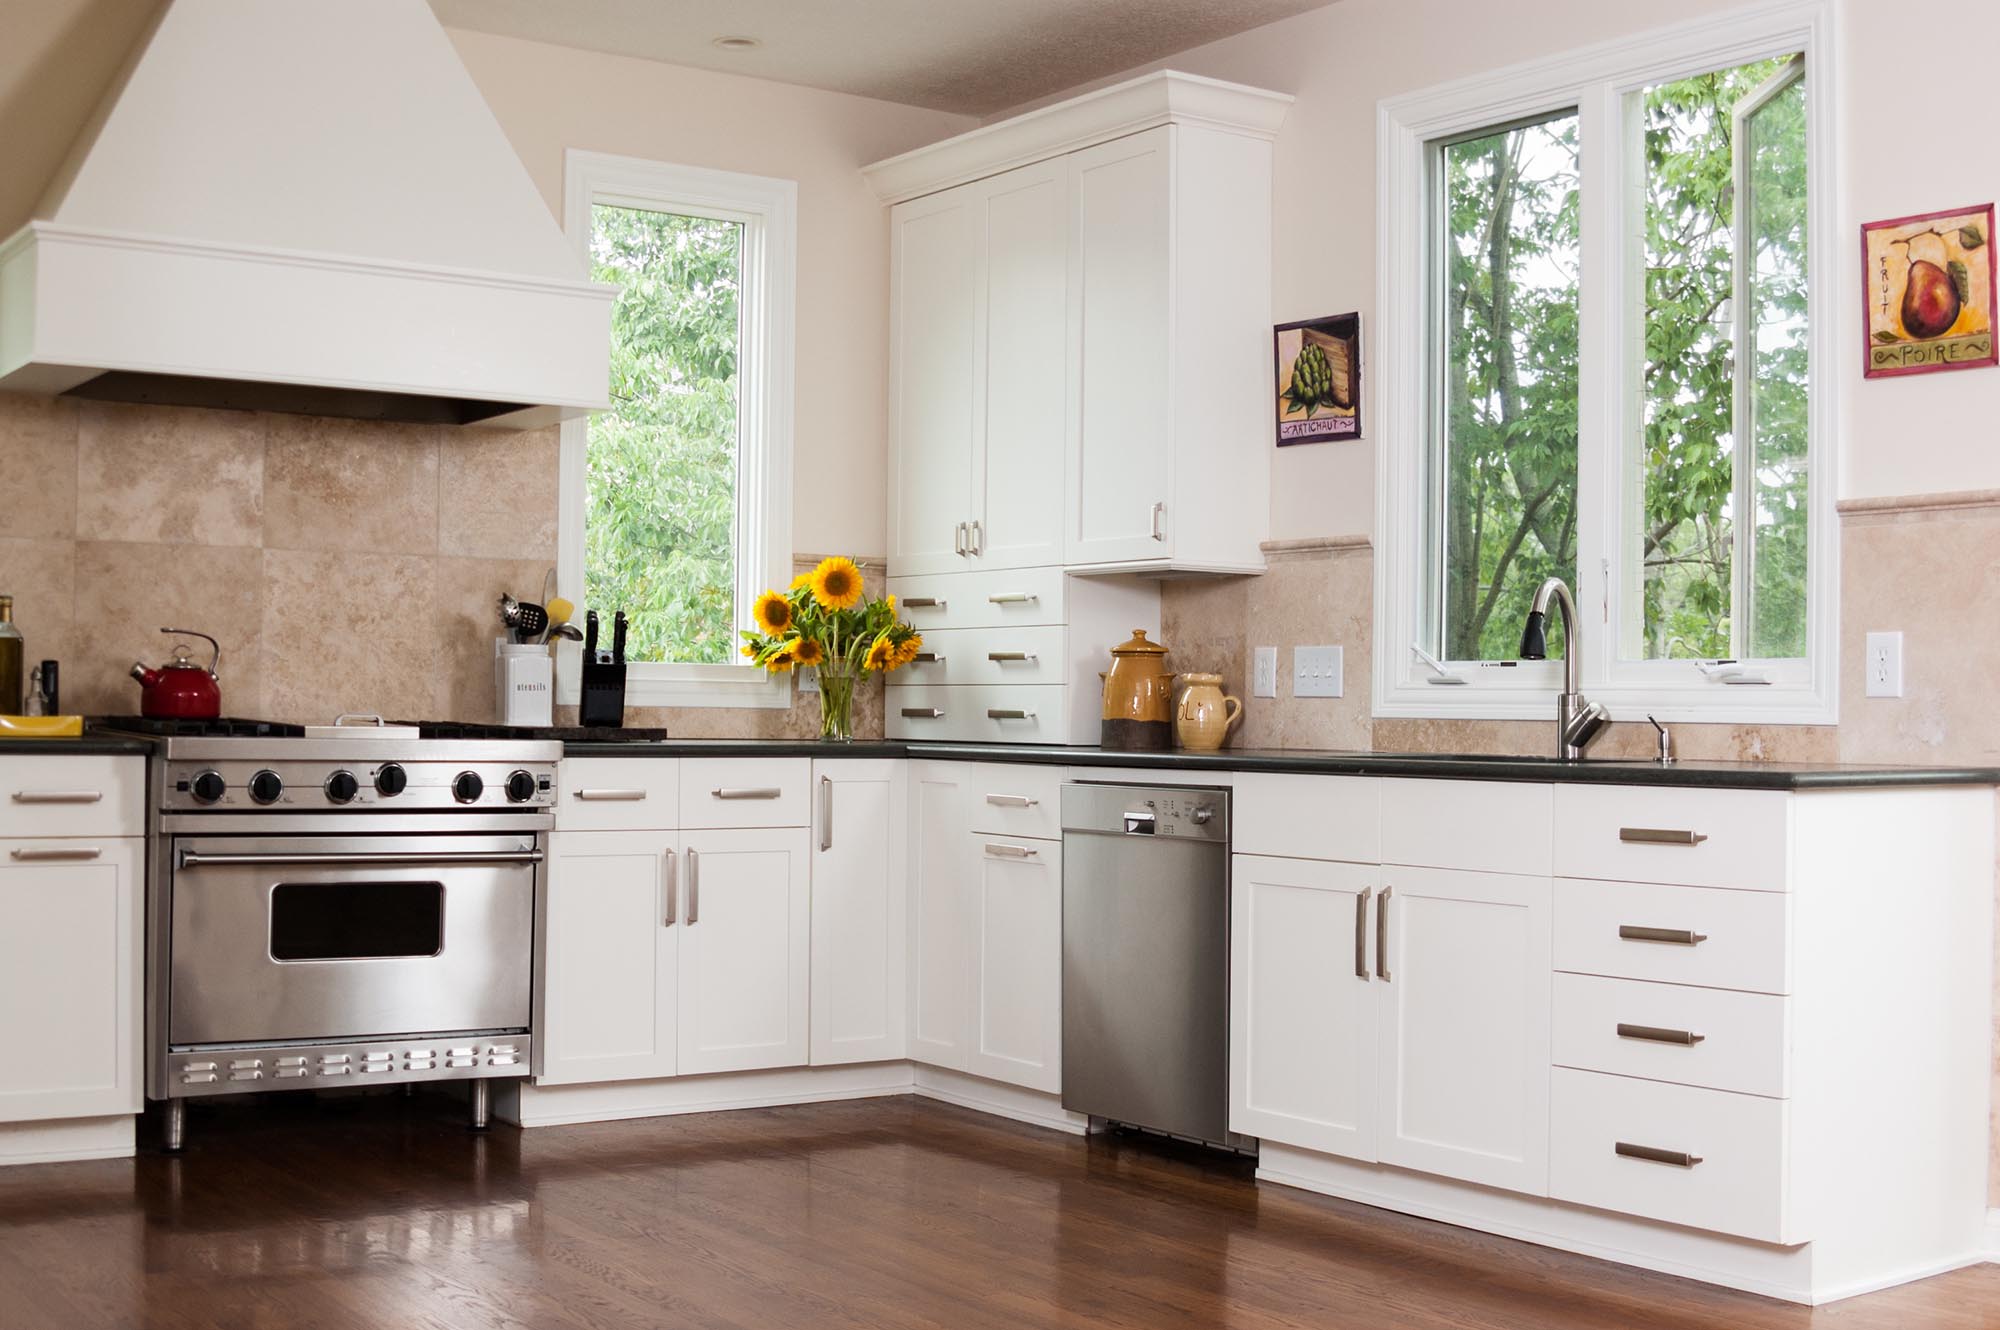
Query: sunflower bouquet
x,y
824,622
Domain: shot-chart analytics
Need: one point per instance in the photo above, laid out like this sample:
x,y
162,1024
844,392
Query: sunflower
x,y
836,583
805,651
774,613
881,655
908,651
750,651
781,659
803,579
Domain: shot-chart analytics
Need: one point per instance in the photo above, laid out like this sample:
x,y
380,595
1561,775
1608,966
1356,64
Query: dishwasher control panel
x,y
1138,810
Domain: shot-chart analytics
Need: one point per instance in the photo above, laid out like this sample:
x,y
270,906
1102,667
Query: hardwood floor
x,y
876,1214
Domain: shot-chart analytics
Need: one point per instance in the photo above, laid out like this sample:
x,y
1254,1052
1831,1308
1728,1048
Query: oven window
x,y
338,921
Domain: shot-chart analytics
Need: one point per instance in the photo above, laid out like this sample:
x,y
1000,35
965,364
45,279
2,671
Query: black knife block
x,y
602,701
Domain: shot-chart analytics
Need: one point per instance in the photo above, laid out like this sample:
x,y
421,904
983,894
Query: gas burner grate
x,y
221,727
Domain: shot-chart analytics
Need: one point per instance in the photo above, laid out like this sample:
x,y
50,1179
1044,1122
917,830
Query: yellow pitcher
x,y
1205,714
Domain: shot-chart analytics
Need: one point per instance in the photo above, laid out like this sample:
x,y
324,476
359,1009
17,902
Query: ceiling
x,y
974,57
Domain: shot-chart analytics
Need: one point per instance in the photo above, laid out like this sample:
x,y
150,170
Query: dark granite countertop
x,y
1438,766
89,742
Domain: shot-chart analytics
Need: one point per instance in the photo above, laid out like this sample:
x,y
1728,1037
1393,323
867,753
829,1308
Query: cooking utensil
x,y
560,611
530,621
181,689
567,632
590,637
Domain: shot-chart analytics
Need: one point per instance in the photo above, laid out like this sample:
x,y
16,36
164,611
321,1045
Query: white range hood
x,y
301,206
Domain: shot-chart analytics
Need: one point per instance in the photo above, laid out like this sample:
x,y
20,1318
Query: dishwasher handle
x,y
1141,821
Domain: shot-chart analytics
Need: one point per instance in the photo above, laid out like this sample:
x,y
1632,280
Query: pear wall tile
x,y
498,491
126,592
467,613
351,485
41,577
38,458
169,475
347,631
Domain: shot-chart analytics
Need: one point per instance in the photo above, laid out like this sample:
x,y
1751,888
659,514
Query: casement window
x,y
1607,311
676,503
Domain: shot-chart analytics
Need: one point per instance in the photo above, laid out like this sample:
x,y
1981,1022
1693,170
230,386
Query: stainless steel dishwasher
x,y
1145,952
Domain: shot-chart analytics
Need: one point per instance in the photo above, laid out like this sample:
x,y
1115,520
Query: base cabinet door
x,y
70,924
1017,932
859,924
745,944
1302,1004
1463,1063
610,951
940,916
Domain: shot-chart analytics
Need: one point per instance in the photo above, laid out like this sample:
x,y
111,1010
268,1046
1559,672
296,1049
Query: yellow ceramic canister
x,y
1205,714
1139,697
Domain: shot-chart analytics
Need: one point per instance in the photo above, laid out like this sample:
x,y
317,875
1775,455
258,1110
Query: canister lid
x,y
1139,646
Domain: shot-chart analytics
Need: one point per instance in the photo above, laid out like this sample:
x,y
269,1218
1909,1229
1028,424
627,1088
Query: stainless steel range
x,y
340,905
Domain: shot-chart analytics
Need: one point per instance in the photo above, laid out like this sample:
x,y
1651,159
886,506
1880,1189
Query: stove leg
x,y
482,1103
173,1130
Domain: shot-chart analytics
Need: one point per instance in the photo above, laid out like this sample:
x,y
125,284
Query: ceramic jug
x,y
1205,714
1139,697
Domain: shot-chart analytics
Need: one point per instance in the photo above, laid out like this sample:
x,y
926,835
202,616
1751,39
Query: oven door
x,y
351,937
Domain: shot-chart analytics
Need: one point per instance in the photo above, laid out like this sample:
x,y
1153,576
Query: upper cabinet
x,y
1080,341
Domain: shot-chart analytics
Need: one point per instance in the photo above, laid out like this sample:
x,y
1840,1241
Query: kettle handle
x,y
215,662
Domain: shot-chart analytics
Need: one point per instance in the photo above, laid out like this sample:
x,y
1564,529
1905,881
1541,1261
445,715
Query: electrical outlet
x,y
1316,671
1264,672
1884,664
807,680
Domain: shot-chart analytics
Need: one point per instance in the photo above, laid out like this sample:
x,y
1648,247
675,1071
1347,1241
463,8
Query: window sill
x,y
1704,704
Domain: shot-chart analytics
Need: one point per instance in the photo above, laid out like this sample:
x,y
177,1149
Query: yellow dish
x,y
40,727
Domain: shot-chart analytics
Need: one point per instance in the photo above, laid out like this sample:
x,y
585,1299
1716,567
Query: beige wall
x,y
549,99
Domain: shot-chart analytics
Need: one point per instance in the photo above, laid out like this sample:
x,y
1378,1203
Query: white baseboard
x,y
557,1105
1007,1101
67,1139
1991,1247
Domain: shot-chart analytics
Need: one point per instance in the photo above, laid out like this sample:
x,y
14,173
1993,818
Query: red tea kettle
x,y
181,689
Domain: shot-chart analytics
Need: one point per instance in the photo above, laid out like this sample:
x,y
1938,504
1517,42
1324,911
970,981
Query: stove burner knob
x,y
209,787
341,787
468,787
520,787
391,780
265,787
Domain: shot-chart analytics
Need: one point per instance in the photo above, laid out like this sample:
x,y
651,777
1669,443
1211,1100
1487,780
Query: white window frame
x,y
1596,81
767,209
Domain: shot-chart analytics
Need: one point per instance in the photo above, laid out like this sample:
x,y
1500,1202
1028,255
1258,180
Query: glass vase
x,y
836,702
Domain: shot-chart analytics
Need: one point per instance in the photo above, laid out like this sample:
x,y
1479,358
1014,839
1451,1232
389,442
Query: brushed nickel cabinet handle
x,y
1679,937
609,796
1382,935
958,540
1012,598
825,813
1361,933
924,713
978,540
1654,1034
1654,1155
1659,836
927,658
1008,713
761,792
52,855
1010,852
1011,801
694,887
670,885
921,603
58,796
1159,521
1004,656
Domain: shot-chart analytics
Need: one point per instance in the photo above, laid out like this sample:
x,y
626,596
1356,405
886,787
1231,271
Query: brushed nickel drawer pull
x,y
1361,933
1012,598
610,796
924,713
927,658
921,603
1011,801
1010,852
1382,935
760,792
1680,937
1008,713
1654,1034
58,796
1653,1155
1003,656
35,856
1659,836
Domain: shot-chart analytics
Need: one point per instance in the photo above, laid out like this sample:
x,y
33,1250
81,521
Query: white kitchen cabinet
x,y
745,948
611,957
71,920
934,313
940,950
1302,1004
1463,1050
1017,953
860,927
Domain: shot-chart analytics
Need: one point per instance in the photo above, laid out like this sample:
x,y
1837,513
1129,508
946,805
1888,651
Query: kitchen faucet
x,y
1577,720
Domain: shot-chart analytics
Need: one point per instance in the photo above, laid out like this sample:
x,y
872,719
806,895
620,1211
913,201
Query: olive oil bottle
x,y
13,655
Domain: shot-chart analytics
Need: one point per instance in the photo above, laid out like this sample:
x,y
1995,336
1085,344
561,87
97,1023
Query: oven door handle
x,y
364,858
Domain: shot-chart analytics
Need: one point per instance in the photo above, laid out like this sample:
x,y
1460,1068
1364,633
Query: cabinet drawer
x,y
746,792
618,793
1034,714
1483,826
987,599
1308,817
1739,1140
1677,935
1017,800
1022,654
1708,1037
72,795
1696,838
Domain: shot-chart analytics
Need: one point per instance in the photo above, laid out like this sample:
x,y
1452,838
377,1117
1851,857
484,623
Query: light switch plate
x,y
1316,671
1264,672
1884,665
